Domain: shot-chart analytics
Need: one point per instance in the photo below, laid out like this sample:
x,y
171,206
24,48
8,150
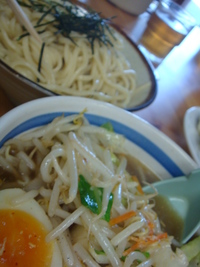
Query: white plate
x,y
191,118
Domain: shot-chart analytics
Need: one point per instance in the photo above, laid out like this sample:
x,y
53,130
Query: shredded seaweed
x,y
70,18
40,59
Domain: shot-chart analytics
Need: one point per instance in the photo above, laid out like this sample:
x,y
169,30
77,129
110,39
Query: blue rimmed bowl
x,y
144,142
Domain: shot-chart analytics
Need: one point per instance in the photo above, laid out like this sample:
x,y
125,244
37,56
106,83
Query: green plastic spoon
x,y
183,194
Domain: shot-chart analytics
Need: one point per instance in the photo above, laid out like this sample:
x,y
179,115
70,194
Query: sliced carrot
x,y
139,188
151,227
122,217
134,238
162,236
143,243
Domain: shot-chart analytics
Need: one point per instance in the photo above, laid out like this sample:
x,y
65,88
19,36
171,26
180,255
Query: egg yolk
x,y
22,240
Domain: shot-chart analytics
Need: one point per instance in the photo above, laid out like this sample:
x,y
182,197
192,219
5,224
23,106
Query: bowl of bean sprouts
x,y
84,162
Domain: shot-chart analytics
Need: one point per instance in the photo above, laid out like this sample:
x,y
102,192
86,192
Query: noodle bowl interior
x,y
78,175
68,66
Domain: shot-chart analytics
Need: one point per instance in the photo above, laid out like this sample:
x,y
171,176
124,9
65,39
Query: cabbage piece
x,y
192,249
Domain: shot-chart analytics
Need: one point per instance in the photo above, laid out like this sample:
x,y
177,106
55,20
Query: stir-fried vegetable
x,y
108,126
91,197
142,243
192,251
122,218
139,187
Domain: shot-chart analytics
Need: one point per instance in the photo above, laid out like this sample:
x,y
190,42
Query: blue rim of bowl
x,y
131,134
152,93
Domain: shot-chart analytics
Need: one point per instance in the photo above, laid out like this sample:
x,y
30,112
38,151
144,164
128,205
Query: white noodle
x,y
60,172
147,263
85,256
132,257
108,160
95,163
66,251
25,197
73,173
103,241
40,146
47,164
100,258
34,184
54,197
46,193
64,214
13,160
121,247
65,224
118,200
126,232
122,166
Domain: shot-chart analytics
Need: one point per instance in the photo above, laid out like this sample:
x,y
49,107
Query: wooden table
x,y
178,75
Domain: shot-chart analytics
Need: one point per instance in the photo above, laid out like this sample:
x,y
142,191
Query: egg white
x,y
31,207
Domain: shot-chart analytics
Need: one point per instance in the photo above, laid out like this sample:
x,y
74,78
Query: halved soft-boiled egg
x,y
23,229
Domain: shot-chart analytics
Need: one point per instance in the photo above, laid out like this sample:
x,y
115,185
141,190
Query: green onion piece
x,y
108,126
91,197
145,253
123,258
99,252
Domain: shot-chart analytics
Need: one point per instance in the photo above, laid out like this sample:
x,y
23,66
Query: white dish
x,y
19,89
135,7
144,72
191,118
144,141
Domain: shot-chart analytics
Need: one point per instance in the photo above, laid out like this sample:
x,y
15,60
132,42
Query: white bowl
x,y
135,7
145,142
191,118
19,89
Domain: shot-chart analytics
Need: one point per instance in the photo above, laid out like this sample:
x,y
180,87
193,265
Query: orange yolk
x,y
22,240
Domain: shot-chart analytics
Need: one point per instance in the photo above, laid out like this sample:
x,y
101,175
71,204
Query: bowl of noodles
x,y
76,59
76,167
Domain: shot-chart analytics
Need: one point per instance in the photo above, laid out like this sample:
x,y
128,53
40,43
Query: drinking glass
x,y
167,27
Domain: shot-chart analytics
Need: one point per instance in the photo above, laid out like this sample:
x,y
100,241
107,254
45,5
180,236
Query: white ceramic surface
x,y
191,118
135,7
20,90
145,142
